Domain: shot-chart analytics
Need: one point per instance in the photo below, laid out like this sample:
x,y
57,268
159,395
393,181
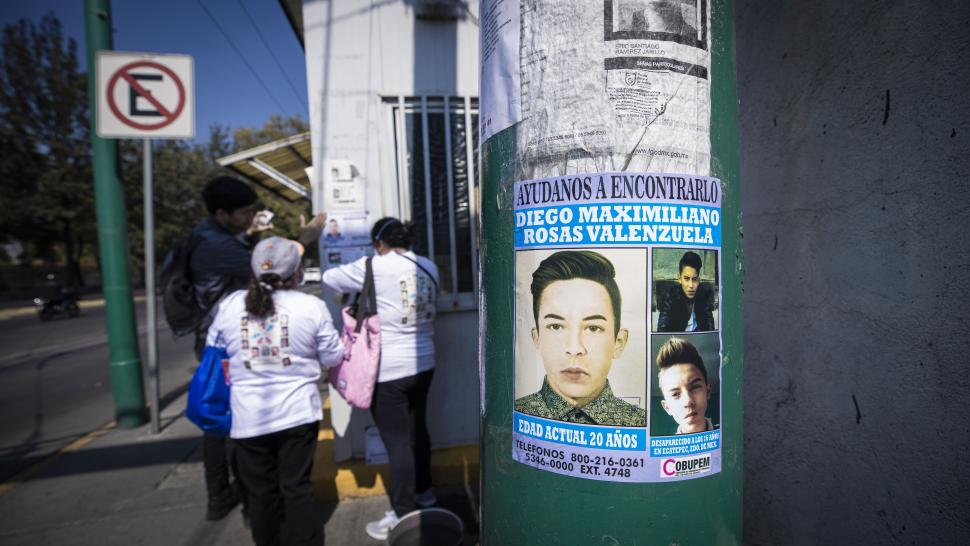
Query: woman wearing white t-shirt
x,y
406,286
277,338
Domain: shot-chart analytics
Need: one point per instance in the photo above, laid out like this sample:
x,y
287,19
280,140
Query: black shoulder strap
x,y
426,272
366,301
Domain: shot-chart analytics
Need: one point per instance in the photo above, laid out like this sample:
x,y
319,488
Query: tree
x,y
45,164
179,171
275,128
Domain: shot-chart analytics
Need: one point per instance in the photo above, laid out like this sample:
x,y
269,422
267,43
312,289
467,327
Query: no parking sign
x,y
145,95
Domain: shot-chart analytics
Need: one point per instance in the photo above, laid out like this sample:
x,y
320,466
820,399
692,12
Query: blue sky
x,y
227,93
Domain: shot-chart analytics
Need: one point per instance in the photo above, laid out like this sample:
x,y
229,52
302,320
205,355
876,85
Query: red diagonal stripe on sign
x,y
146,94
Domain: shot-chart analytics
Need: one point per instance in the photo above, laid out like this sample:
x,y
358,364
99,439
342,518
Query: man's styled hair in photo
x,y
690,259
680,351
576,264
227,193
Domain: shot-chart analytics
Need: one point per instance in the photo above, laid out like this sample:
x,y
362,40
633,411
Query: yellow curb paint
x,y
335,481
76,445
341,481
347,486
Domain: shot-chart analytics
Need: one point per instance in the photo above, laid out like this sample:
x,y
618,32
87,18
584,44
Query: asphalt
x,y
127,486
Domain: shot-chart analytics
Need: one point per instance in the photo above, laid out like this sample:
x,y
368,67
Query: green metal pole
x,y
125,364
526,505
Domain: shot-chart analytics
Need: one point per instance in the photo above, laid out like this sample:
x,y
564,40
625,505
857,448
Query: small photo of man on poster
x,y
685,290
580,336
686,393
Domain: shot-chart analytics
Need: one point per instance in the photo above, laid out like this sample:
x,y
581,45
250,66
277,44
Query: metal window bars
x,y
435,160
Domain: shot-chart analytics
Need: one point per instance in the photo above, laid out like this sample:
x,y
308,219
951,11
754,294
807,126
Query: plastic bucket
x,y
428,527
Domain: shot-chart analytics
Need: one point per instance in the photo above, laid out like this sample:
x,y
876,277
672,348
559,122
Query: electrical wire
x,y
242,57
273,55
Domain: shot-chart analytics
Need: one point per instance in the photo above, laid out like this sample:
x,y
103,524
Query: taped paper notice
x,y
614,85
500,107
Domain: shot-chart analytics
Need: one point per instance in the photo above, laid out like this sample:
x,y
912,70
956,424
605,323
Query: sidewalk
x,y
22,308
126,487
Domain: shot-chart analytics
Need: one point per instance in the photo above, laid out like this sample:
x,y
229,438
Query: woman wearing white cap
x,y
277,338
406,285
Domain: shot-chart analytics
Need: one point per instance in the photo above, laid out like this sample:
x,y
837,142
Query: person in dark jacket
x,y
220,264
686,307
221,247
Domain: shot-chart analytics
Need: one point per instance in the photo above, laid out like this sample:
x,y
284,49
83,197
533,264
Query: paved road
x,y
54,381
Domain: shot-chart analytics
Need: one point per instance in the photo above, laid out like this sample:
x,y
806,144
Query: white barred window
x,y
435,144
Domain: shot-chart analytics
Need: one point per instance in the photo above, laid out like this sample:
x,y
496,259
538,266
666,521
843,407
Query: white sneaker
x,y
426,499
379,529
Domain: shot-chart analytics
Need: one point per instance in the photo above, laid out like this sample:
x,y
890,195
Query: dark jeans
x,y
275,465
399,408
217,458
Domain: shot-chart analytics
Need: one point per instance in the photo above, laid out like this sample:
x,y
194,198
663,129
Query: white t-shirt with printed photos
x,y
405,305
274,361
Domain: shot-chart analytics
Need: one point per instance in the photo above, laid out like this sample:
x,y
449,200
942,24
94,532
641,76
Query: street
x,y
54,380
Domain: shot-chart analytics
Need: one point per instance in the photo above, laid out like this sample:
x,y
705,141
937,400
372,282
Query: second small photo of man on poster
x,y
686,393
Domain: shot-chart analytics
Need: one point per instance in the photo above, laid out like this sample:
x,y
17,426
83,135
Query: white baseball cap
x,y
277,255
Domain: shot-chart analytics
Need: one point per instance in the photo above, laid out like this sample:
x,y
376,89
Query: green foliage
x,y
45,164
275,128
179,171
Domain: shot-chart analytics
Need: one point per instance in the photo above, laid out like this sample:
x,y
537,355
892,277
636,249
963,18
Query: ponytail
x,y
259,299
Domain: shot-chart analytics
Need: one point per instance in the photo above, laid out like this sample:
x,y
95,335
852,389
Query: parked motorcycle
x,y
65,302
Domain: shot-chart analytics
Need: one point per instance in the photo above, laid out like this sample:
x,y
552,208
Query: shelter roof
x,y
279,166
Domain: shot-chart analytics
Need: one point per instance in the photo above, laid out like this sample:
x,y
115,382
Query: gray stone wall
x,y
855,137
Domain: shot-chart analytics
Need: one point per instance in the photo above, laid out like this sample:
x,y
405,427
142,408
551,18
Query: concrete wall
x,y
855,136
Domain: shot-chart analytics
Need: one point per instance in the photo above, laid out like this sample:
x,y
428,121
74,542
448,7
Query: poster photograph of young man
x,y
685,290
580,335
686,392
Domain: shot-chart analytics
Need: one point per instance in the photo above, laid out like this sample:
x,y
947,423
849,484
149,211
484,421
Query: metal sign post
x,y
147,96
150,312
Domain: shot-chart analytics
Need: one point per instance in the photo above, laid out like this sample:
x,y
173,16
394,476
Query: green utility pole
x,y
125,364
533,496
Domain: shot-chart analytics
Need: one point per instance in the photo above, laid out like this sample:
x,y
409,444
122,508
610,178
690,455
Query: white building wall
x,y
357,53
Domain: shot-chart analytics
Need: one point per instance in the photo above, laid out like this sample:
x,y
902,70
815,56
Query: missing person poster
x,y
617,326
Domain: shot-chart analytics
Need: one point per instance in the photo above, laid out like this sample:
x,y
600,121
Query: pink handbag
x,y
354,378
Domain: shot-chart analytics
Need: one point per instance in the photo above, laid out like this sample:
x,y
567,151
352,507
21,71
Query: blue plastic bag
x,y
208,405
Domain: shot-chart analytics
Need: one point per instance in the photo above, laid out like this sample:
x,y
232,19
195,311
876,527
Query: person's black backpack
x,y
182,311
